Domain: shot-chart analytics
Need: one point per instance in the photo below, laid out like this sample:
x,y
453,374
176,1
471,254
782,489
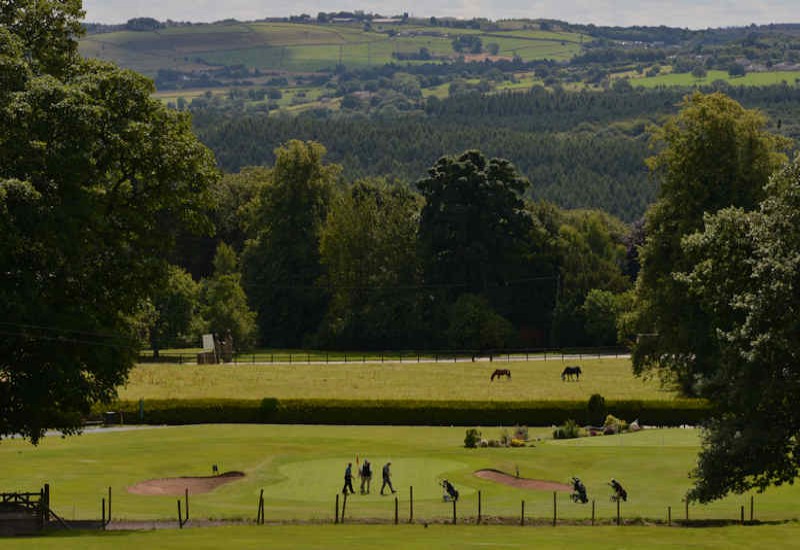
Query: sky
x,y
693,14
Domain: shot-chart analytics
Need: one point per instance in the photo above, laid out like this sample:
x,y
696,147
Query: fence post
x,y
669,515
751,506
186,496
742,515
336,517
454,512
618,518
109,504
555,509
47,503
592,511
397,517
344,506
411,504
103,517
522,515
180,517
479,506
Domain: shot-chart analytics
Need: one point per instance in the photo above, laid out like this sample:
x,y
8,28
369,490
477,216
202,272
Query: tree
x,y
474,235
368,249
746,277
47,31
736,69
473,225
281,261
474,325
224,302
95,177
176,311
591,251
600,309
714,154
699,72
234,202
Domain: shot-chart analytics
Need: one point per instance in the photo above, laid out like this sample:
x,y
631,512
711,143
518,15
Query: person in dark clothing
x,y
366,476
348,479
387,478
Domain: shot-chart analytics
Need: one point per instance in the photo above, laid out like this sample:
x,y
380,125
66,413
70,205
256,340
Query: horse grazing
x,y
569,372
500,372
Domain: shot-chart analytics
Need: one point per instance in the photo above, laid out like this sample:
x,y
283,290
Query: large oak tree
x,y
95,176
712,155
746,278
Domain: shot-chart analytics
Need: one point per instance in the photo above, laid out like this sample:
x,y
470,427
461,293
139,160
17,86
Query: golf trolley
x,y
619,491
450,493
578,491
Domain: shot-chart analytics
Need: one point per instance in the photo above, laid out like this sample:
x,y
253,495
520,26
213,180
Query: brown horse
x,y
500,372
569,372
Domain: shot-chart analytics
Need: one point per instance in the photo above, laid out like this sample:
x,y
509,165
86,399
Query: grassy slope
x,y
298,47
415,536
300,469
612,378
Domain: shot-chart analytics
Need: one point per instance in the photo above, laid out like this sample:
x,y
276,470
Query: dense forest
x,y
578,149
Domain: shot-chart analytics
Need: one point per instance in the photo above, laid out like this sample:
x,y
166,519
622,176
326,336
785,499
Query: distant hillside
x,y
310,47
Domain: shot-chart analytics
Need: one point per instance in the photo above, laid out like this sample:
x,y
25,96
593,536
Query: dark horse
x,y
569,372
501,372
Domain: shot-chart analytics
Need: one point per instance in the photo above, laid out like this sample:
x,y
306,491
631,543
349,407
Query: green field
x,y
349,537
532,380
686,79
301,47
300,469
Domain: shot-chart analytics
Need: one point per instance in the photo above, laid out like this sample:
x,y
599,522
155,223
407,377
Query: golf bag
x,y
450,492
619,491
578,491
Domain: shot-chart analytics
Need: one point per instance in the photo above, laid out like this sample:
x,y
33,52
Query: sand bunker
x,y
175,486
521,482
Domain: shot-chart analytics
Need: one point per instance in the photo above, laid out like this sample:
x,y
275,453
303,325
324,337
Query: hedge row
x,y
412,413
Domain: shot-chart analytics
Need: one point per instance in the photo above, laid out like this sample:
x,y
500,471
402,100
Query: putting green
x,y
319,479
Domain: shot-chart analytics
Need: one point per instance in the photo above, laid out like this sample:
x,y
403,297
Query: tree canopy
x,y
712,155
745,275
281,261
95,177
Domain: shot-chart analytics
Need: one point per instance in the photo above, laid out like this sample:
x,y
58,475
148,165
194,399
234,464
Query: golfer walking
x,y
348,479
366,476
387,478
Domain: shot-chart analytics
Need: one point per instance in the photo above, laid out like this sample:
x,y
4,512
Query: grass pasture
x,y
353,537
300,469
687,80
531,380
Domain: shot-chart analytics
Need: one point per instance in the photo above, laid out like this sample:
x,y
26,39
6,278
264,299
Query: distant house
x,y
387,20
343,20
